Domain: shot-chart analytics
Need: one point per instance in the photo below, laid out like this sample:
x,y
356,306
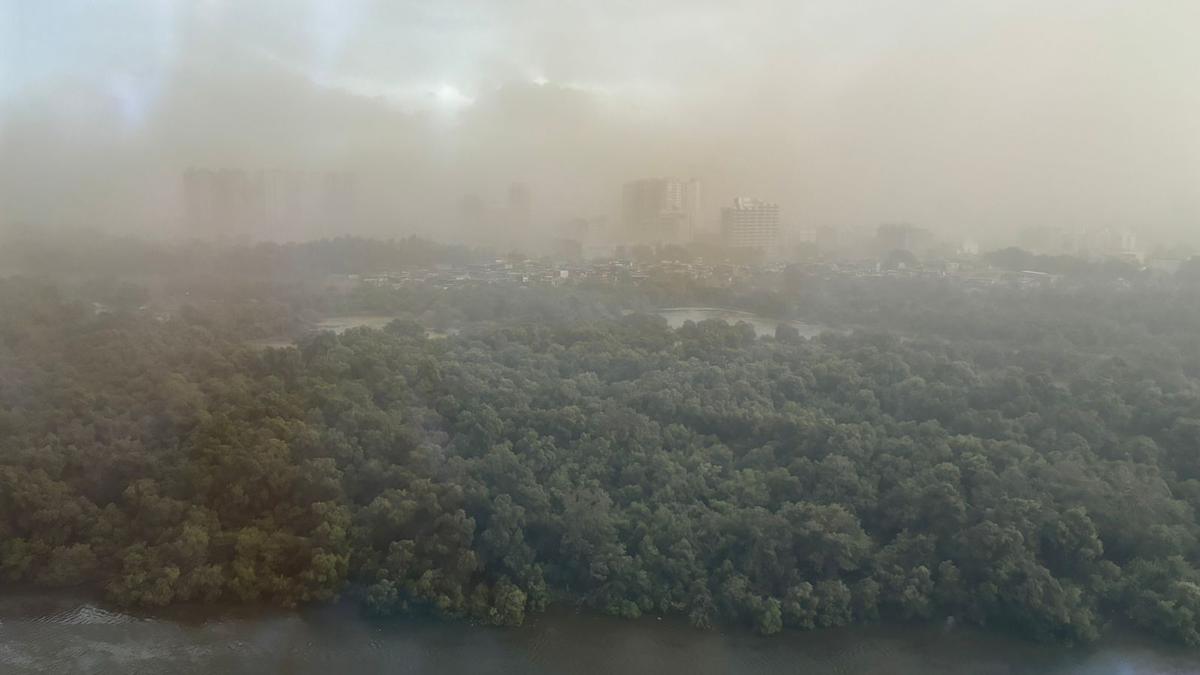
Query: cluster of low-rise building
x,y
549,272
973,272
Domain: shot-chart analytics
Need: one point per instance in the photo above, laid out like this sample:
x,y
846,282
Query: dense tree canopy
x,y
1005,460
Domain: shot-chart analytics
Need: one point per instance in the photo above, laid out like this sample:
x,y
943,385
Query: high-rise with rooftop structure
x,y
751,224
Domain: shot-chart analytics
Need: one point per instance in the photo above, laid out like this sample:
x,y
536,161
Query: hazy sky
x,y
987,117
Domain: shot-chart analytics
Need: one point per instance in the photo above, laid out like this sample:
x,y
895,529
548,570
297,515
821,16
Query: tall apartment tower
x,y
750,224
520,205
234,202
661,209
902,237
219,202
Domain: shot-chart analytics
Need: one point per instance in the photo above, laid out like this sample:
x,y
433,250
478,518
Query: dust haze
x,y
980,119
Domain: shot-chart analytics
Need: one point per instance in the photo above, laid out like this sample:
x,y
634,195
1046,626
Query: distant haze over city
x,y
515,122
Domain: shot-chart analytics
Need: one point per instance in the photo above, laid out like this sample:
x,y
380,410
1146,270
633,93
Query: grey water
x,y
61,634
677,316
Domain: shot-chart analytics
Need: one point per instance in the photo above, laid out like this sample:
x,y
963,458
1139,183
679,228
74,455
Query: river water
x,y
677,316
58,634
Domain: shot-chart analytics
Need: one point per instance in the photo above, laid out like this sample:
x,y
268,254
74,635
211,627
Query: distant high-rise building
x,y
228,202
827,238
472,214
1110,241
661,209
804,235
218,202
197,199
750,224
520,204
339,196
902,237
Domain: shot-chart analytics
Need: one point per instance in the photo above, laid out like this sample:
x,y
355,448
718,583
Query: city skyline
x,y
980,120
264,203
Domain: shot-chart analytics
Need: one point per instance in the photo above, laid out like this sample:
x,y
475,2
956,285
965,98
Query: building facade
x,y
272,204
661,209
751,224
902,237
